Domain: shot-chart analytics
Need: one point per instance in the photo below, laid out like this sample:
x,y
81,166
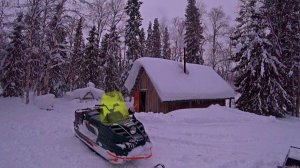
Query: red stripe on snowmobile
x,y
115,158
86,139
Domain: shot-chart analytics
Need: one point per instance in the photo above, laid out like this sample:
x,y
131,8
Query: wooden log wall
x,y
154,104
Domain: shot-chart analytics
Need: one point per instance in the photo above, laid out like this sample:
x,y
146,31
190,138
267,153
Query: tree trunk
x,y
297,111
298,105
27,89
46,79
214,50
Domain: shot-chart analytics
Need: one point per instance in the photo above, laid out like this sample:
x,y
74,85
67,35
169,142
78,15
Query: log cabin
x,y
160,85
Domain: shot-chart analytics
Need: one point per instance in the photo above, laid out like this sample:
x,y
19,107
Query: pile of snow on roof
x,y
171,83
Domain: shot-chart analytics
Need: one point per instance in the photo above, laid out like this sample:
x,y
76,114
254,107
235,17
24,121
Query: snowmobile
x,y
117,142
292,158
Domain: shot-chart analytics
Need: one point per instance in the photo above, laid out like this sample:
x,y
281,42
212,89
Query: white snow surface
x,y
80,93
171,83
215,137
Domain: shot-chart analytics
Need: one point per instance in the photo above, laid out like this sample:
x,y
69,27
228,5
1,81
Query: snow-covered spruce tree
x,y
132,31
33,36
260,74
4,40
193,35
77,57
103,49
103,59
149,43
13,67
55,81
113,55
142,42
132,35
89,70
46,11
166,51
283,19
156,40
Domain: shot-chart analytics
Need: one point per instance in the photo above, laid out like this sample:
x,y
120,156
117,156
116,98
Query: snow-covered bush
x,y
45,102
81,93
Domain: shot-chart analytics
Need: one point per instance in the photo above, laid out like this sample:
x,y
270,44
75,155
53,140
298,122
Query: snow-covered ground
x,y
215,137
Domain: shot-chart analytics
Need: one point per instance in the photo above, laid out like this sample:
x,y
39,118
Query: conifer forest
x,y
56,46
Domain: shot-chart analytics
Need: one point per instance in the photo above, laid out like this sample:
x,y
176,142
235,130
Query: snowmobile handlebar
x,y
131,111
110,110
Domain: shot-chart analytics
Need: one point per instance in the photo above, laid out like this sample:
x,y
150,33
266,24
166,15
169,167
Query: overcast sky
x,y
168,9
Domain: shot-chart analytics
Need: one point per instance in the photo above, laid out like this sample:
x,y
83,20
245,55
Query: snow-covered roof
x,y
171,83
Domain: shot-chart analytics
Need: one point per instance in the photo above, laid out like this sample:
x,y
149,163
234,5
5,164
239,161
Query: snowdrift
x,y
216,137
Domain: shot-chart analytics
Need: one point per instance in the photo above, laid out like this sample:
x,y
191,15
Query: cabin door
x,y
140,100
143,100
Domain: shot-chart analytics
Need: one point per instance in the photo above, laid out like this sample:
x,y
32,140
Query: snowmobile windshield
x,y
116,110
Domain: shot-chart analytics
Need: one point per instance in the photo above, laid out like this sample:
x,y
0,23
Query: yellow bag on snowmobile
x,y
116,110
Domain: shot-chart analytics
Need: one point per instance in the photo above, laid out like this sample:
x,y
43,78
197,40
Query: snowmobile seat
x,y
95,120
91,114
93,117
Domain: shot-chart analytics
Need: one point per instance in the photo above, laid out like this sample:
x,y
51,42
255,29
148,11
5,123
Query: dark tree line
x,y
48,53
42,56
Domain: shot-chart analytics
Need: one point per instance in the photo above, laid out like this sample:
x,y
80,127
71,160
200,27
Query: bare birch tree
x,y
99,15
177,38
218,23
